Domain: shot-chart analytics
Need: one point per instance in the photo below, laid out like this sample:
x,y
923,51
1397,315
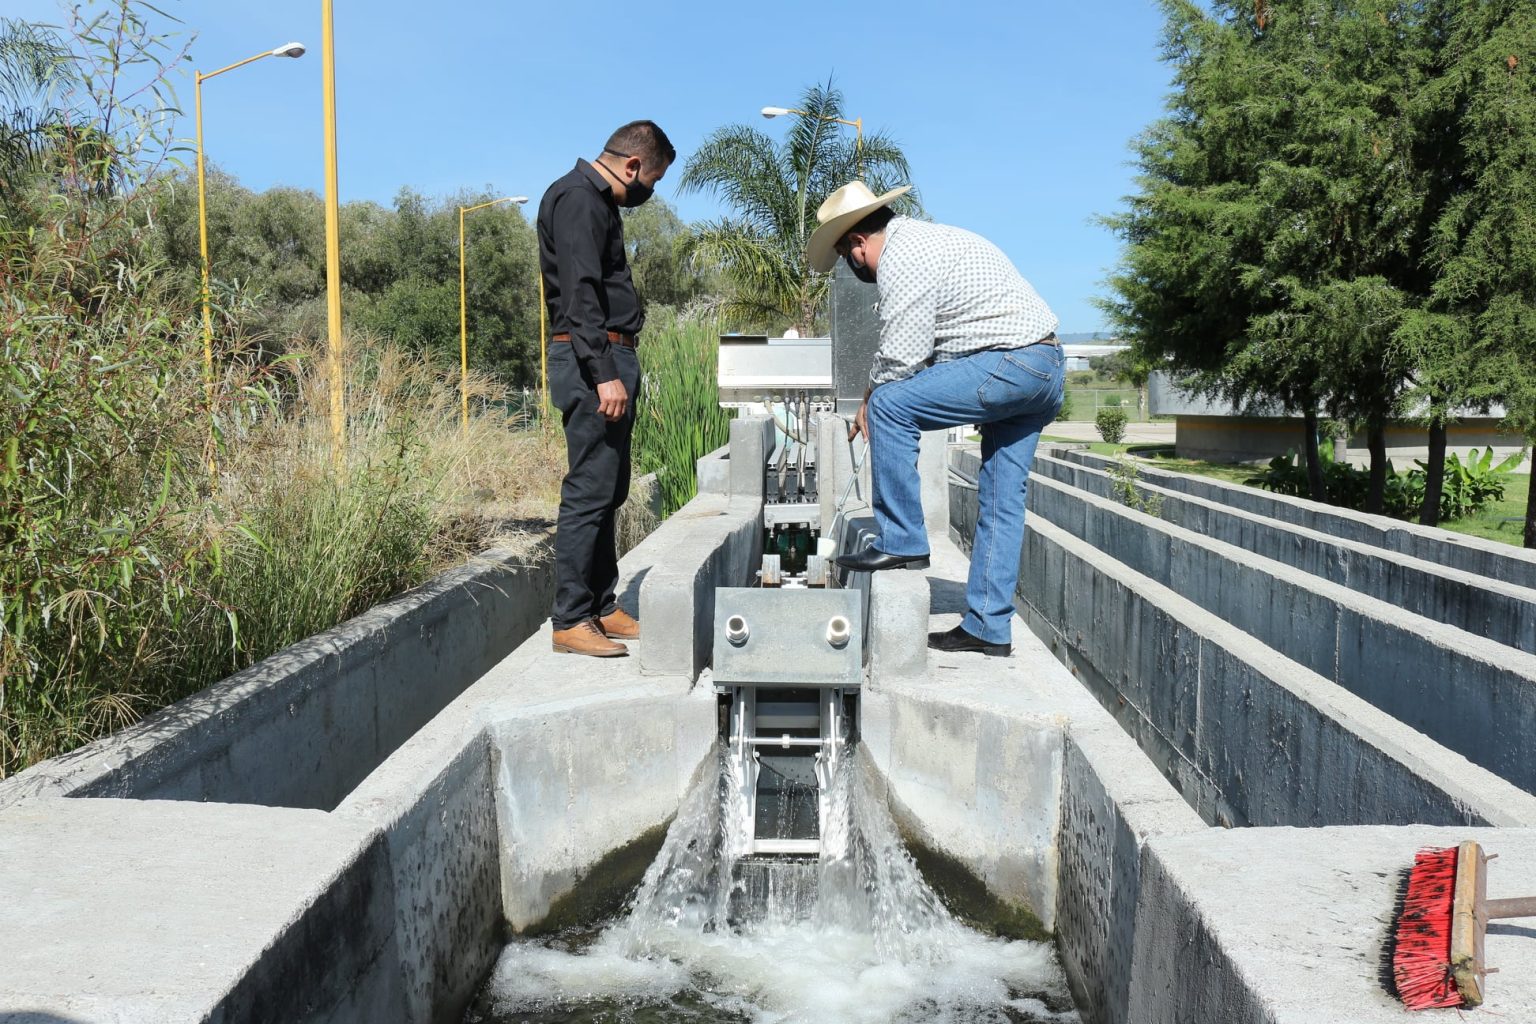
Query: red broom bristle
x,y
1421,955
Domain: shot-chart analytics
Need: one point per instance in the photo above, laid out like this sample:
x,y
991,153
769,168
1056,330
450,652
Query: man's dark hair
x,y
873,222
643,139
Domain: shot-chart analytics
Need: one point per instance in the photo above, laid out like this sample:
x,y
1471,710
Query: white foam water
x,y
855,939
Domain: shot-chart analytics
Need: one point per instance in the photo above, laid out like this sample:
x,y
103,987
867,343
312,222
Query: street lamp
x,y
857,124
198,78
464,305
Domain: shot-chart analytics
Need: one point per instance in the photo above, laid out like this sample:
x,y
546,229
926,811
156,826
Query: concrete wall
x,y
1490,608
1473,695
303,727
578,779
1013,769
1247,735
1470,554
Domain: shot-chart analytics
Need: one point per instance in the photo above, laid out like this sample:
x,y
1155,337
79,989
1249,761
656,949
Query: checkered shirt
x,y
946,293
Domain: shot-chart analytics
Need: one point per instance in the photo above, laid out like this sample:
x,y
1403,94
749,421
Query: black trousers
x,y
596,484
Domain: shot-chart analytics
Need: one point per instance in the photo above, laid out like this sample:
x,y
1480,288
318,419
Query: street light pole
x,y
464,306
857,124
198,78
334,342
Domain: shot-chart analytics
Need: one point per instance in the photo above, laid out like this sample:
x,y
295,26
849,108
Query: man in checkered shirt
x,y
963,339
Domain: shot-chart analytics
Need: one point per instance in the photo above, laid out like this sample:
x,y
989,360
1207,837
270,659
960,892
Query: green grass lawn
x,y
1501,520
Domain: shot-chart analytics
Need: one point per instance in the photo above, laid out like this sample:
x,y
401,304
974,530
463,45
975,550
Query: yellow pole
x,y
198,78
202,236
543,340
463,331
334,348
858,144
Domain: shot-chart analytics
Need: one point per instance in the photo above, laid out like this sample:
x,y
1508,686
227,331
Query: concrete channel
x,y
1207,823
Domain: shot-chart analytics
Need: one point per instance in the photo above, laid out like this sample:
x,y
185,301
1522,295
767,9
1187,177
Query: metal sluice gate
x,y
788,665
789,652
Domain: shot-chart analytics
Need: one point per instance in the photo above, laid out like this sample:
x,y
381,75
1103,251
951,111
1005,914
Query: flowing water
x,y
714,937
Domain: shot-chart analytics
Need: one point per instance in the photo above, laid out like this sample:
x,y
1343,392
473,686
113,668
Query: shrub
x,y
1467,488
1065,412
1111,424
678,418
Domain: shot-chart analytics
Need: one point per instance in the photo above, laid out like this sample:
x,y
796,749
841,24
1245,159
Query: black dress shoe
x,y
870,560
958,639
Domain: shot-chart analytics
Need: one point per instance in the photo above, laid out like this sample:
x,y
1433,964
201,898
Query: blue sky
x,y
1015,116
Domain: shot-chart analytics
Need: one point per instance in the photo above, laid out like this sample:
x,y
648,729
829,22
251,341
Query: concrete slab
x,y
1473,554
1471,694
159,911
1289,926
719,545
973,751
1492,608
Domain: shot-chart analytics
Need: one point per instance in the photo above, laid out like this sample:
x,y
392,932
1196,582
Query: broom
x,y
1437,958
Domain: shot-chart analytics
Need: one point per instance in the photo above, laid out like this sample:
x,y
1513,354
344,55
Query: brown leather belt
x,y
1049,339
626,340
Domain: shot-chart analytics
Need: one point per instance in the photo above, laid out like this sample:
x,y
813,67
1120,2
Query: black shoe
x,y
958,639
870,560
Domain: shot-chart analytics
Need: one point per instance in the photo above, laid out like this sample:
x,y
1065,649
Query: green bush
x,y
1468,486
678,418
1110,423
1065,412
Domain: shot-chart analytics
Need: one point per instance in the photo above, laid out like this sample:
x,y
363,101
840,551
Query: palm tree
x,y
33,63
774,190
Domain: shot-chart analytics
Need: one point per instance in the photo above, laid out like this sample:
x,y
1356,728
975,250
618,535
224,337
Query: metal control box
x,y
754,370
774,637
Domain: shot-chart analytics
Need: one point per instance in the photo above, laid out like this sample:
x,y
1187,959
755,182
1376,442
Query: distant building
x,y
1078,353
1258,431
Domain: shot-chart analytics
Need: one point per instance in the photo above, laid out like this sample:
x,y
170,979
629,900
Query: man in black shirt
x,y
595,318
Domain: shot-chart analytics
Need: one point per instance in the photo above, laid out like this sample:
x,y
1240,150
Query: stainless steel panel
x,y
786,638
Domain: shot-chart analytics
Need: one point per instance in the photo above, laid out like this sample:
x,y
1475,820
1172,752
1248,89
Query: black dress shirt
x,y
587,285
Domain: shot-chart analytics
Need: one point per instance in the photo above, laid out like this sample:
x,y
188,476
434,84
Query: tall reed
x,y
678,417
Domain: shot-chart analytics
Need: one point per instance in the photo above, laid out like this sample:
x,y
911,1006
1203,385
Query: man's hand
x,y
861,419
612,400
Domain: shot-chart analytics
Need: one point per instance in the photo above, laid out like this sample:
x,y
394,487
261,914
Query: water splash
x,y
711,935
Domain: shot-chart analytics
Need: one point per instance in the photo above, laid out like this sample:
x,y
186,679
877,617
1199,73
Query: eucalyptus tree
x,y
773,190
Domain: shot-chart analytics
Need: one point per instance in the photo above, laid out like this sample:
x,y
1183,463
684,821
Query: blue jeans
x,y
1011,396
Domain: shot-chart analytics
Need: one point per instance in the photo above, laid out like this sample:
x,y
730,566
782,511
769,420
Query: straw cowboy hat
x,y
842,210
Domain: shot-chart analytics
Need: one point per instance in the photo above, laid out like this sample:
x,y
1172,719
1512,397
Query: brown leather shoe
x,y
620,625
587,638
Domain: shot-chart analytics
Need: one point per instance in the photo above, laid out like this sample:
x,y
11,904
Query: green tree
x,y
658,244
1484,297
773,191
1277,243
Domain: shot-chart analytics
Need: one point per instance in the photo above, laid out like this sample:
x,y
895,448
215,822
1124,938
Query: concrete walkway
x,y
1156,432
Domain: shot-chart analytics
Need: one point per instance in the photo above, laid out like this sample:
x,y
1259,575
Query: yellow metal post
x,y
463,330
198,78
335,348
543,341
202,236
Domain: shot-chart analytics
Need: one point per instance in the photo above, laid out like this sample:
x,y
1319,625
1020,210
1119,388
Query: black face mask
x,y
635,192
863,273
